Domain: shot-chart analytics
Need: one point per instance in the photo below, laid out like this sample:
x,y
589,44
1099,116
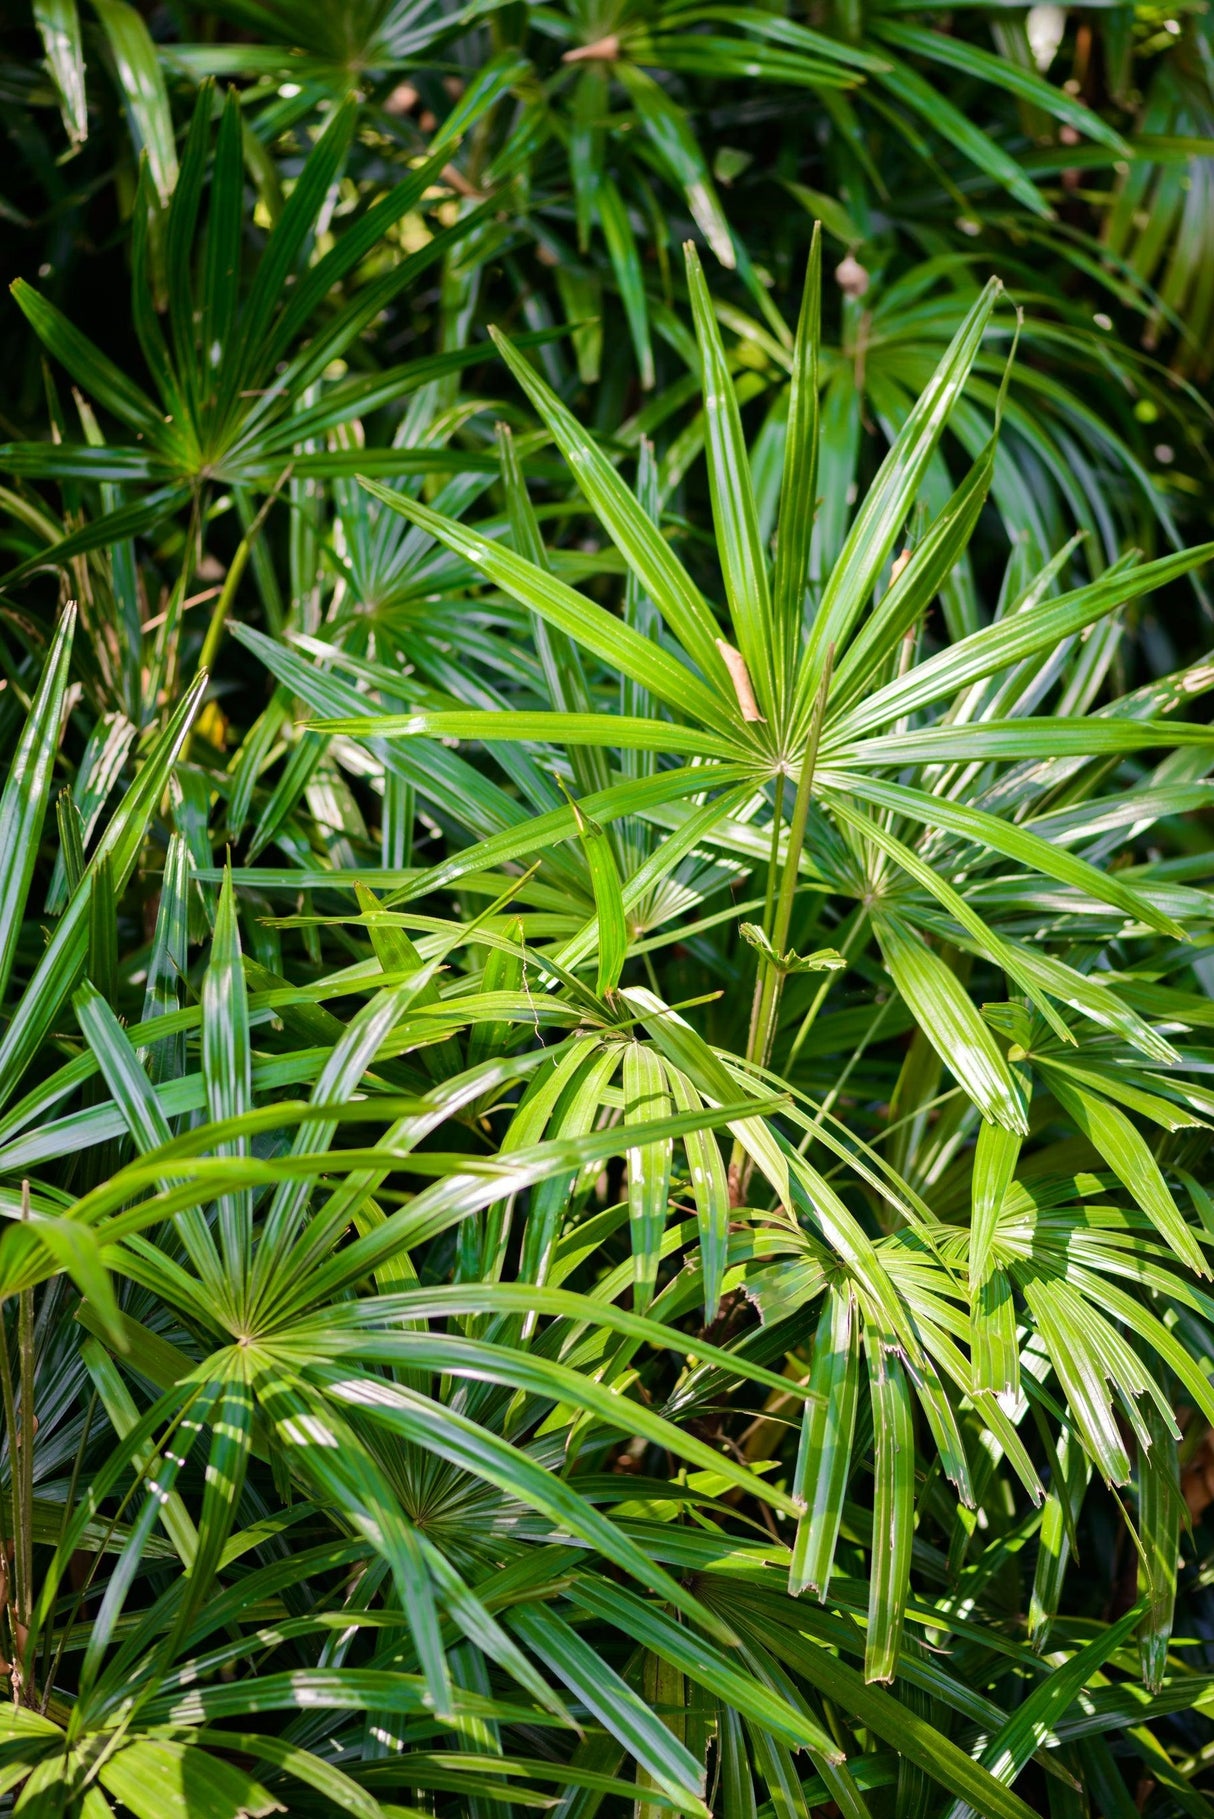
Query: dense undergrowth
x,y
605,921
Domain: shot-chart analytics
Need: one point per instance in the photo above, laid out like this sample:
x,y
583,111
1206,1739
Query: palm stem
x,y
771,977
769,981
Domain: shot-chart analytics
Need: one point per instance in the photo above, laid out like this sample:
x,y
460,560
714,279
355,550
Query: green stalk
x,y
771,978
769,901
773,863
163,668
232,579
769,981
227,593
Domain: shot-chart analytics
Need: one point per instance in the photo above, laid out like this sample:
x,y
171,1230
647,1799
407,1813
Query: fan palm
x,y
603,1121
770,751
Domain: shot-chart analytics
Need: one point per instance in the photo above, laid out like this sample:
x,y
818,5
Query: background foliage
x,y
604,993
